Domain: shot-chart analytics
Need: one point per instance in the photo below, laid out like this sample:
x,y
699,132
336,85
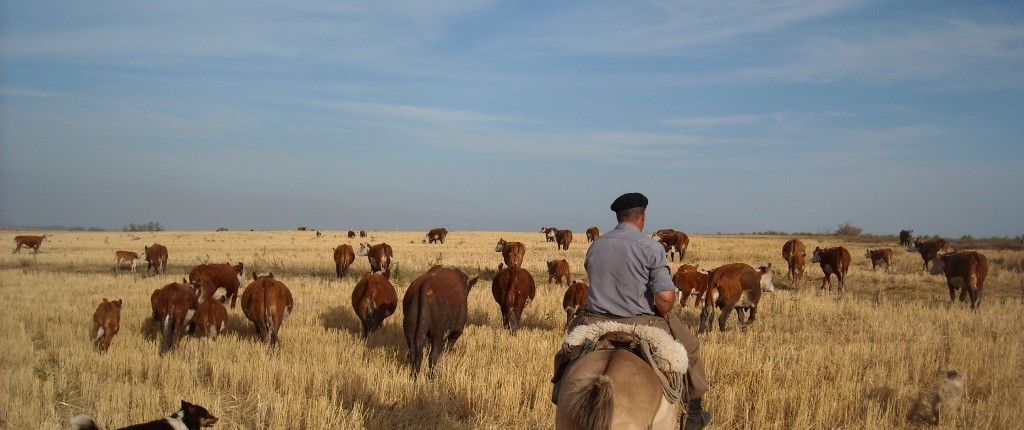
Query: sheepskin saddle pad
x,y
667,354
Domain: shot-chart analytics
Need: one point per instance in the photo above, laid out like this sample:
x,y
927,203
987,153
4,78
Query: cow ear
x,y
118,301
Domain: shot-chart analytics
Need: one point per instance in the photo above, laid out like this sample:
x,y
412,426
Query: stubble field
x,y
813,360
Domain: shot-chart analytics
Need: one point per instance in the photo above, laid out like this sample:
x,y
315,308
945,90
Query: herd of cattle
x,y
435,304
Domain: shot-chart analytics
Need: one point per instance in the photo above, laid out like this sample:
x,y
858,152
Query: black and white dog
x,y
190,417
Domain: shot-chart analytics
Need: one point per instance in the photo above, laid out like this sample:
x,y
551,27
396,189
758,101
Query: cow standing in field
x,y
513,288
965,270
156,258
575,298
735,286
380,257
106,322
435,307
832,260
562,239
549,233
511,252
121,257
211,277
211,317
374,299
174,307
267,302
879,257
794,252
558,270
905,238
362,233
351,234
930,249
29,242
437,235
674,241
592,234
690,280
344,255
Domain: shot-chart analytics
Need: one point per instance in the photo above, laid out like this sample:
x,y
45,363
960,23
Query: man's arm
x,y
664,301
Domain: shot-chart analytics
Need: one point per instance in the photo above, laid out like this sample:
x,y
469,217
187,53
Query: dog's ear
x,y
185,405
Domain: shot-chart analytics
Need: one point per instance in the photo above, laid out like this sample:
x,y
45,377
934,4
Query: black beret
x,y
629,201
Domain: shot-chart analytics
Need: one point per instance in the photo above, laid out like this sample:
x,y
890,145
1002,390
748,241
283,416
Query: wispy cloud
x,y
714,121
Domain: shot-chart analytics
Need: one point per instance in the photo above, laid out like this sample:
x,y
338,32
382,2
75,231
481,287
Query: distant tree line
x,y
149,226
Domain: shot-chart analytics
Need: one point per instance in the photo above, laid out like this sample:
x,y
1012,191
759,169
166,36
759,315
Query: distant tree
x,y
149,226
848,229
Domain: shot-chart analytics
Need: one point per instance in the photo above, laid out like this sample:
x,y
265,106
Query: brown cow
x,y
362,233
29,242
690,280
674,241
174,307
794,252
211,277
879,257
905,236
930,249
267,302
156,258
437,235
575,298
735,286
513,288
558,270
374,299
380,257
966,270
211,317
435,310
832,260
562,239
592,234
344,255
351,234
549,233
511,252
125,257
106,321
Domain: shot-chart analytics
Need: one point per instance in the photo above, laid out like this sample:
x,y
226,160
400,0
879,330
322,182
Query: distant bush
x,y
149,226
848,229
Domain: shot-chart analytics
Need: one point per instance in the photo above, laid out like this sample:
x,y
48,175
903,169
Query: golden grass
x,y
812,360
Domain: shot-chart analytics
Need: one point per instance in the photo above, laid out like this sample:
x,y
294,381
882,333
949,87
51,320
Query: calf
x,y
562,239
267,302
965,270
211,317
106,321
29,242
174,307
437,235
930,249
558,270
794,252
879,257
735,286
435,311
156,258
211,277
575,298
674,241
832,260
511,252
125,257
690,280
513,288
592,234
380,257
374,299
344,255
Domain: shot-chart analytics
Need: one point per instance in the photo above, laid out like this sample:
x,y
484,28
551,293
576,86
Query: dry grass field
x,y
813,360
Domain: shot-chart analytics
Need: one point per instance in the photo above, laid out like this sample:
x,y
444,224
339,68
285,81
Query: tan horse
x,y
613,389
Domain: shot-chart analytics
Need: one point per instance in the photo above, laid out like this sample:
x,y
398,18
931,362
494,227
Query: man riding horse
x,y
631,283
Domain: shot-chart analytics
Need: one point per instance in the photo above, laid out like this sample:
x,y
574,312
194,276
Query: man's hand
x,y
664,301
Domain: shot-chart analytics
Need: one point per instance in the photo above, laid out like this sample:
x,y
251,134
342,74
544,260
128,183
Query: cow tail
x,y
270,323
512,296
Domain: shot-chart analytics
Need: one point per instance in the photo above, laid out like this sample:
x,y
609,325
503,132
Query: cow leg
x,y
437,347
841,280
741,315
753,315
682,255
683,297
725,315
952,292
337,270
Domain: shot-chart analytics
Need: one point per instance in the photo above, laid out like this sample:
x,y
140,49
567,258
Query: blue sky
x,y
731,116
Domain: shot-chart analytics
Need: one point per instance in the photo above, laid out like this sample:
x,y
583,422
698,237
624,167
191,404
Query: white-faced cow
x,y
593,233
549,233
690,280
156,258
380,257
374,299
344,255
735,286
106,322
511,252
267,302
879,257
930,249
966,271
29,242
435,308
437,235
558,270
575,298
211,277
513,288
674,241
832,260
905,238
121,257
174,307
794,252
